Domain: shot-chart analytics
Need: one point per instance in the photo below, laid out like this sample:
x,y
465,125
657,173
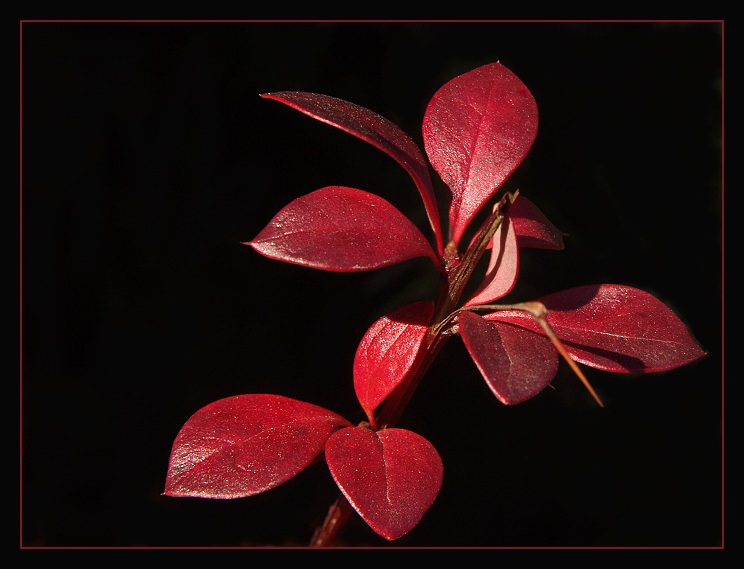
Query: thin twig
x,y
335,519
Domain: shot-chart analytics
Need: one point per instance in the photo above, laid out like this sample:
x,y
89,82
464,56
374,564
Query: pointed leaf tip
x,y
244,445
533,228
374,129
615,328
342,229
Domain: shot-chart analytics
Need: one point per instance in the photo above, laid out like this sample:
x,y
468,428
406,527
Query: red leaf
x,y
515,363
503,266
245,445
615,328
477,129
533,229
390,477
388,351
341,229
372,128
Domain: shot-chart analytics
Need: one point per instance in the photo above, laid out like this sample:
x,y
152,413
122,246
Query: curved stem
x,y
454,279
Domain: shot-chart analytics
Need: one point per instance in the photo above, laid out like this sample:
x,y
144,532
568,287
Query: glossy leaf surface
x,y
245,445
342,229
615,328
373,128
390,477
516,364
388,351
477,129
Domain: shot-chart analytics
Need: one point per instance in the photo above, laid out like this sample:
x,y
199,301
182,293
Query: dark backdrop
x,y
148,156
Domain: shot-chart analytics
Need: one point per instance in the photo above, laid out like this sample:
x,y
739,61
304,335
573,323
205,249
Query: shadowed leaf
x,y
503,266
516,364
533,229
614,328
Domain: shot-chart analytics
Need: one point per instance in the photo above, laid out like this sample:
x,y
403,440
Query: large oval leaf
x,y
245,445
477,130
614,328
342,229
375,129
517,364
388,352
390,477
503,266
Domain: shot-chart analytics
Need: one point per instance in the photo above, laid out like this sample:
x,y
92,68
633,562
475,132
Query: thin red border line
x,y
20,288
600,21
723,303
20,221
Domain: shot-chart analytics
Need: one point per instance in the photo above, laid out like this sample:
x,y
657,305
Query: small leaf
x,y
516,364
390,477
245,445
614,328
373,128
388,352
503,266
477,130
341,229
533,229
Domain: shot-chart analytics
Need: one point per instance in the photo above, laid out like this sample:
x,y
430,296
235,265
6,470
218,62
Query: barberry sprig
x,y
477,130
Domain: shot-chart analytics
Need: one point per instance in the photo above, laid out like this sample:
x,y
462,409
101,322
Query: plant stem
x,y
458,274
453,284
337,516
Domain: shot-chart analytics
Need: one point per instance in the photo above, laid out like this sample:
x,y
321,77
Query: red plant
x,y
477,130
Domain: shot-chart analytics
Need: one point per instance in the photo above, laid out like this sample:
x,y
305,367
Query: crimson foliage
x,y
477,129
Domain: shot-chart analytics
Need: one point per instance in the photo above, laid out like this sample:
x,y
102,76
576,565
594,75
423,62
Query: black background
x,y
148,156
